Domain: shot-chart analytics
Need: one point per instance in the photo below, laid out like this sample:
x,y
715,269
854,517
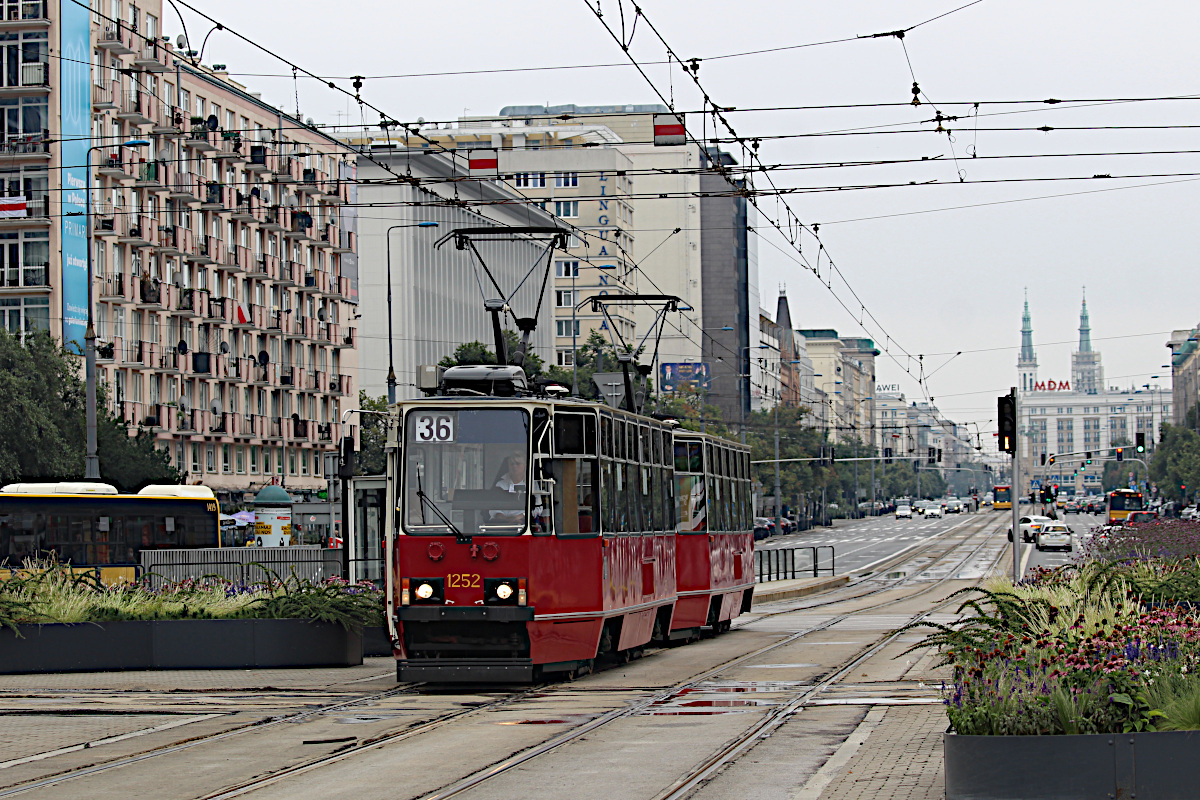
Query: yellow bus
x,y
92,526
1123,501
1002,497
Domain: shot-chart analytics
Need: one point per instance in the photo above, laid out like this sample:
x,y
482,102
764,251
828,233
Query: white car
x,y
1030,525
903,512
1053,535
934,510
1188,513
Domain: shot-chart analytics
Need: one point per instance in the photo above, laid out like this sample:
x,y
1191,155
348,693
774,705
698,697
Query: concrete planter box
x,y
1148,766
178,644
376,641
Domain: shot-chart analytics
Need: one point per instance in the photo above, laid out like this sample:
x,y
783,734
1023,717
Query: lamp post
x,y
391,376
91,462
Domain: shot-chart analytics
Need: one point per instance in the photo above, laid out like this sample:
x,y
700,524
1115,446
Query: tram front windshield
x,y
466,471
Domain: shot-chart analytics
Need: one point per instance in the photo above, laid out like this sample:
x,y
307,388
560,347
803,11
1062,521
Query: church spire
x,y
1027,361
1085,327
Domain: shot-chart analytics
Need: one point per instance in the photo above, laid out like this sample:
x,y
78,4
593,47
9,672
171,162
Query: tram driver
x,y
512,480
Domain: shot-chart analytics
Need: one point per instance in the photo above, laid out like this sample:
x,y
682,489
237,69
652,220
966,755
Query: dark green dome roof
x,y
272,496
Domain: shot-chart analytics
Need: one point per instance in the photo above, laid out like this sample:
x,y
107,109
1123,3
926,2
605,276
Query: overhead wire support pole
x,y
1015,490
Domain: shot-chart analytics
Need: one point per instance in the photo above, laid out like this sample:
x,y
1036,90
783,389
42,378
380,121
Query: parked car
x,y
904,512
1053,535
1188,513
760,531
934,510
765,522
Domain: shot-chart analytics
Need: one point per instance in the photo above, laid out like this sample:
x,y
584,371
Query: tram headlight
x,y
504,591
424,591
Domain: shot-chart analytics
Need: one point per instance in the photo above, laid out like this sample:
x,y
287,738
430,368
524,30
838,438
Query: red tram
x,y
532,535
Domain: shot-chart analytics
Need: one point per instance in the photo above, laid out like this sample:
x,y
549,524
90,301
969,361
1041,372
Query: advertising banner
x,y
75,109
692,374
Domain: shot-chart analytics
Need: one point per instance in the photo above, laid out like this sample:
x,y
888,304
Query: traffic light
x,y
1051,461
1088,456
1006,410
929,457
939,455
1043,459
887,455
1139,442
1120,454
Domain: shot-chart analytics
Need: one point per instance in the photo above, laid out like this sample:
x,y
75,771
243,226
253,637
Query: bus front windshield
x,y
1001,493
466,471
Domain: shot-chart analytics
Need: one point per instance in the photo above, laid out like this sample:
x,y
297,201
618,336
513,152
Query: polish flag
x,y
242,314
13,207
483,163
668,130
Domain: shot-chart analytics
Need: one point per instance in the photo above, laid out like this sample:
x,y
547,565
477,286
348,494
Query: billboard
x,y
75,112
691,374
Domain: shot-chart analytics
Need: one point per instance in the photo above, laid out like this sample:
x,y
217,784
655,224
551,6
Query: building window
x,y
292,462
530,180
226,458
210,458
24,263
241,460
563,327
254,460
21,315
565,180
304,461
566,269
566,208
565,358
266,460
564,298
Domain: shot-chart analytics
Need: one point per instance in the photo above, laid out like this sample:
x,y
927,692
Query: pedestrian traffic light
x,y
1120,454
939,455
1139,442
1006,410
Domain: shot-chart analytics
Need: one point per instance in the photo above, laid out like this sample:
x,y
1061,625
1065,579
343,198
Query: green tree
x,y
372,435
596,354
43,430
1176,462
478,353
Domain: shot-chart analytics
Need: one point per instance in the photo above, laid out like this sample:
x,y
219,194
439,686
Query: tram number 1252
x,y
431,428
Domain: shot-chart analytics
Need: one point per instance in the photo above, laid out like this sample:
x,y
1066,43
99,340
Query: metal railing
x,y
789,563
241,564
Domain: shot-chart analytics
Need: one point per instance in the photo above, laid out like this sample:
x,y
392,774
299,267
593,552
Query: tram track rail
x,y
653,696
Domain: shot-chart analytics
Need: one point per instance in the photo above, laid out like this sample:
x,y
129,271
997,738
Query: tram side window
x,y
574,497
657,519
646,499
574,434
695,457
682,464
606,436
656,444
608,508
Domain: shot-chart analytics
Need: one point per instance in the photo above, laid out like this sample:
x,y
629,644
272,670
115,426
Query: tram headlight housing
x,y
424,591
504,591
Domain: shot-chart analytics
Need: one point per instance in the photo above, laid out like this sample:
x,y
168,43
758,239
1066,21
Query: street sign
x,y
669,130
483,163
611,386
1037,484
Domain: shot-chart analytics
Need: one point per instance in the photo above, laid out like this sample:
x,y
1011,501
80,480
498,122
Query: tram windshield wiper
x,y
427,503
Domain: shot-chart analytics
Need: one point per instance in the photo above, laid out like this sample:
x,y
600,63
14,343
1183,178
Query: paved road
x,y
1080,524
861,542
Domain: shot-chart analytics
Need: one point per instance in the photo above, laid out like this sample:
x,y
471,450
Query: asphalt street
x,y
1080,525
860,543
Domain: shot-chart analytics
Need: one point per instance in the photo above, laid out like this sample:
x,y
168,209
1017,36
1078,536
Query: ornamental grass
x,y
46,591
1109,644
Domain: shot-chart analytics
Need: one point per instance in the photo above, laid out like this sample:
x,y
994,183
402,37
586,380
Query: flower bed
x,y
1110,644
50,592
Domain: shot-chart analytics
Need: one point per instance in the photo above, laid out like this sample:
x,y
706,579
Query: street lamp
x,y
91,462
391,376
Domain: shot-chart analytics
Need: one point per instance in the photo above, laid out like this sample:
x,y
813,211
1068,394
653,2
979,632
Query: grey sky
x,y
938,282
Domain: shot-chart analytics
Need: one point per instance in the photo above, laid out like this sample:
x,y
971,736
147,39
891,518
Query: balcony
x,y
249,315
340,384
244,207
185,303
312,181
287,170
346,241
32,77
30,146
117,165
272,219
217,308
168,121
117,38
218,197
137,230
327,236
211,251
168,361
24,14
112,288
218,423
185,420
345,340
151,175
287,376
150,292
186,187
325,432
136,352
28,276
299,428
199,137
104,98
136,108
243,259
152,56
298,225
262,159
231,148
291,274
153,418
202,363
